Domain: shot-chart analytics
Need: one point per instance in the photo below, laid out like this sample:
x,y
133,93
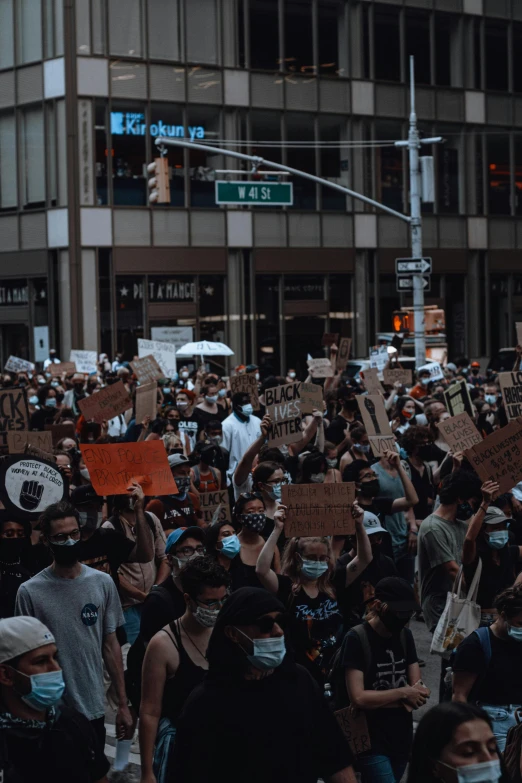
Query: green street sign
x,y
275,194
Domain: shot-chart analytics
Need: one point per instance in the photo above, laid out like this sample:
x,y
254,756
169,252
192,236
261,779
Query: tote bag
x,y
461,616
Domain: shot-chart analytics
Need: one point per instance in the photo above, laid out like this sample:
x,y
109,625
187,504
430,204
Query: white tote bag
x,y
461,616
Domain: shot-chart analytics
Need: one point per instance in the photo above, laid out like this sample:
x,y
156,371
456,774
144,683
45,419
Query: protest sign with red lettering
x,y
319,509
499,456
107,403
459,432
511,385
113,467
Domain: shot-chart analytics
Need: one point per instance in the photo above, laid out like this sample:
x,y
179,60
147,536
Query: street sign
x,y
413,266
406,284
275,194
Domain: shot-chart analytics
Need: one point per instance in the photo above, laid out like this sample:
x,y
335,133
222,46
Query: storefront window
x,y
167,120
499,305
297,287
40,302
129,314
303,334
268,323
340,296
300,127
171,289
129,132
205,123
102,154
499,174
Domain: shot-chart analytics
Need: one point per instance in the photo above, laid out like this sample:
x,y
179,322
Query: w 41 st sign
x,y
275,194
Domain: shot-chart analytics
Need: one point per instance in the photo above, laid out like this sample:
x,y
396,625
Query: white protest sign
x,y
28,485
379,357
41,343
14,364
164,353
435,371
85,361
177,335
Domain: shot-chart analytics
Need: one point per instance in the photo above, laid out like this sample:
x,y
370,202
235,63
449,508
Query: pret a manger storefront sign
x,y
129,123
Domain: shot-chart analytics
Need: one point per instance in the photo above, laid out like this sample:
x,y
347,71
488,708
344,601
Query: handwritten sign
x,y
320,368
60,431
397,375
14,414
459,432
146,401
519,333
112,467
379,357
248,384
17,441
499,456
434,369
371,381
355,728
211,502
28,485
107,403
164,353
283,405
380,444
343,354
329,338
511,385
85,361
69,368
458,400
374,414
319,509
146,369
311,397
14,364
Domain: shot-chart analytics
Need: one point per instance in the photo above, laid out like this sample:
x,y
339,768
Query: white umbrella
x,y
204,348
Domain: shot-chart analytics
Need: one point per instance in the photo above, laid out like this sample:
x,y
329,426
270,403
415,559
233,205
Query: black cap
x,y
397,593
85,496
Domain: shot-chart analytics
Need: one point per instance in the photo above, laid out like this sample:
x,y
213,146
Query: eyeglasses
x,y
189,551
273,482
61,538
266,623
214,604
316,558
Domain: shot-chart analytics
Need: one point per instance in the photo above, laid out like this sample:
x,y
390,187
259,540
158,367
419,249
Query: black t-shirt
x,y
159,609
494,577
336,431
178,512
106,550
12,575
425,490
391,730
352,600
67,750
501,683
193,424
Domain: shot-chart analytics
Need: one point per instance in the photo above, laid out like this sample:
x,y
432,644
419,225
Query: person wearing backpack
x,y
382,678
486,666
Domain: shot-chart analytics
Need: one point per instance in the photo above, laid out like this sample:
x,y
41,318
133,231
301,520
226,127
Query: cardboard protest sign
x,y
211,502
284,408
397,375
434,369
329,338
112,467
85,361
28,485
511,385
371,380
14,364
17,441
458,400
247,383
14,414
519,333
69,368
60,431
146,401
107,403
164,353
311,397
374,416
379,357
354,726
499,456
319,509
343,354
459,432
380,444
320,368
146,369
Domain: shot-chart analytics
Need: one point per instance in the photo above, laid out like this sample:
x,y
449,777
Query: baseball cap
x,y
371,524
20,635
495,516
451,366
397,593
475,364
183,532
177,459
85,495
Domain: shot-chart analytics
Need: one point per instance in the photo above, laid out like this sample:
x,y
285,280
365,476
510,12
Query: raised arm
x,y
264,572
410,498
244,466
364,555
143,552
308,433
490,490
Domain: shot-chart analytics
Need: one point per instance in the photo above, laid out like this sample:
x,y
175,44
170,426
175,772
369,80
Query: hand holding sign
x,y
31,494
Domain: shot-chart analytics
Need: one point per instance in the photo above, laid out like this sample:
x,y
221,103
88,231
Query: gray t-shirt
x,y
440,541
80,613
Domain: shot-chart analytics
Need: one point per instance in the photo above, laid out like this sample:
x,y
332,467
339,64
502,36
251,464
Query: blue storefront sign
x,y
127,123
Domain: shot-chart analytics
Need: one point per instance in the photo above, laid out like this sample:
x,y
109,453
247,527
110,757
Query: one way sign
x,y
406,284
413,266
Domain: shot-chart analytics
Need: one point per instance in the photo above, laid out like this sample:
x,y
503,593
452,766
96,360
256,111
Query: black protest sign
x,y
14,414
458,400
511,385
29,484
283,405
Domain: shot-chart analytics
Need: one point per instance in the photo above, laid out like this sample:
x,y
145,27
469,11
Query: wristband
x,y
415,532
485,510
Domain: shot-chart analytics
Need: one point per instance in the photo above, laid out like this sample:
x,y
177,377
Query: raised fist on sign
x,y
31,495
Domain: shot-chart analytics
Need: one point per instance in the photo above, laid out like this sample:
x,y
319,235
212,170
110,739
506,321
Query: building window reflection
x,y
129,132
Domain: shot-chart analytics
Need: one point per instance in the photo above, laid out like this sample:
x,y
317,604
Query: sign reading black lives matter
x,y
28,485
14,415
511,385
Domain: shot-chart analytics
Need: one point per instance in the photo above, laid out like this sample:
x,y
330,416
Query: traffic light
x,y
159,184
401,321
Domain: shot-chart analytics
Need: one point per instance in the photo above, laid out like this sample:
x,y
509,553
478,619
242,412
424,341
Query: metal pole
x,y
416,226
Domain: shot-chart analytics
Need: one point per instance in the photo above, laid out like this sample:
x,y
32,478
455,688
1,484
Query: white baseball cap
x,y
20,635
371,524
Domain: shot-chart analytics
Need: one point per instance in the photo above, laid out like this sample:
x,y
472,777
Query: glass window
x,y
29,30
517,57
328,22
518,173
8,177
266,127
53,10
51,155
202,165
303,335
102,153
448,179
501,335
128,138
125,25
496,44
334,161
99,26
201,25
164,29
33,158
268,323
212,309
298,287
499,174
418,44
6,34
105,292
300,127
299,44
129,314
167,120
477,54
442,50
340,295
386,43
264,35
389,167
41,301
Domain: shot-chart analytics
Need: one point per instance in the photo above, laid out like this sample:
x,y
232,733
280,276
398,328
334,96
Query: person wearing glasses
x,y
257,716
81,608
175,663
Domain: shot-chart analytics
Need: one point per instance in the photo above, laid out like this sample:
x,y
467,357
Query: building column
x,y
362,300
236,306
64,337
472,306
89,293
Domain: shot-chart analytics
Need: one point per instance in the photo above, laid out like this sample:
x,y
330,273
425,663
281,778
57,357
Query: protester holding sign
x,y
240,430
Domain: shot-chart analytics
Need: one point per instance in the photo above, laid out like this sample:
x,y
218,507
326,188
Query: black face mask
x,y
371,488
66,555
464,511
350,405
208,456
425,452
11,549
393,623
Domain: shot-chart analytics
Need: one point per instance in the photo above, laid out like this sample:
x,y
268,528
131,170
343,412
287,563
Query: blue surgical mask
x,y
485,772
364,448
498,539
491,399
313,569
222,393
317,478
425,381
268,653
51,402
212,399
275,491
33,400
247,410
332,463
515,633
231,546
46,689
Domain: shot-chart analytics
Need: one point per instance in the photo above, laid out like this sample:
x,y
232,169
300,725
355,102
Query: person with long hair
x,y
308,588
403,415
455,743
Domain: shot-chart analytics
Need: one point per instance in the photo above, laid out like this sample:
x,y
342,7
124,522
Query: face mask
x,y
425,381
51,402
485,772
84,473
90,520
184,374
78,388
407,413
54,384
268,653
332,463
275,492
393,623
46,689
491,399
464,511
206,617
351,405
371,488
231,546
222,393
257,376
313,569
182,483
33,400
212,399
11,549
254,522
425,451
67,553
365,449
291,375
515,633
217,440
181,406
247,410
317,478
498,539
208,456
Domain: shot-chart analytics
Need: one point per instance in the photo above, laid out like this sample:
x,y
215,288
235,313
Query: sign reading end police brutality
x,y
113,467
499,456
319,509
283,405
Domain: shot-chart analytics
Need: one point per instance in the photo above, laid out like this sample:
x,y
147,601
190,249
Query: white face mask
x,y
291,375
84,473
485,772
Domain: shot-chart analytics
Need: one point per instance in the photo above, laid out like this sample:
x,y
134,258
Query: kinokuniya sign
x,y
129,123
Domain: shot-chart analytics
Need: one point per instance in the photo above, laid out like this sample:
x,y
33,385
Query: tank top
x,y
187,677
205,484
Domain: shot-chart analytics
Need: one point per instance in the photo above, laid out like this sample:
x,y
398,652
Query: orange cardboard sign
x,y
113,467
